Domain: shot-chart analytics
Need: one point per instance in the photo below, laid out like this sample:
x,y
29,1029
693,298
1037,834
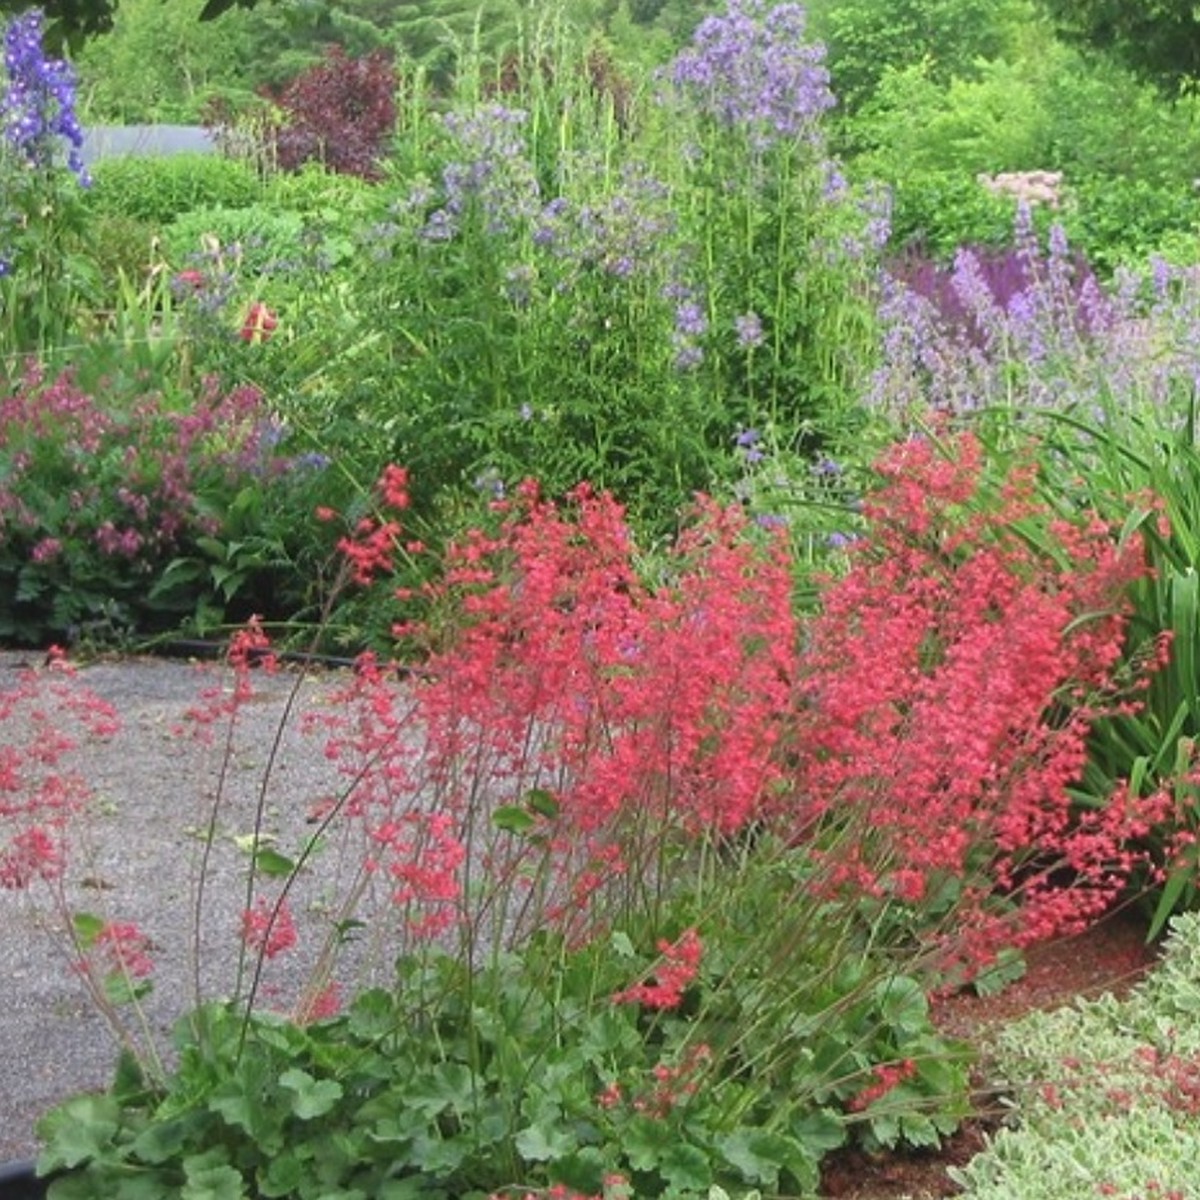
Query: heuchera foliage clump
x,y
589,765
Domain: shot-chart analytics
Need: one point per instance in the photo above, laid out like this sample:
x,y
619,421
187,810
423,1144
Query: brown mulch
x,y
1110,957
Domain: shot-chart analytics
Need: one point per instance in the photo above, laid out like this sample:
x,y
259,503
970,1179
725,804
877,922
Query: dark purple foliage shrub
x,y
340,112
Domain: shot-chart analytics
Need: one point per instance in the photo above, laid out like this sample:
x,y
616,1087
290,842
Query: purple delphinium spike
x,y
38,106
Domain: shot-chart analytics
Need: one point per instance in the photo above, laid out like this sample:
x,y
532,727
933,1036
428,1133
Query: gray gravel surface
x,y
152,791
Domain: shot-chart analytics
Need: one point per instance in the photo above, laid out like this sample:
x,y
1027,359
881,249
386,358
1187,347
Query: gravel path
x,y
150,788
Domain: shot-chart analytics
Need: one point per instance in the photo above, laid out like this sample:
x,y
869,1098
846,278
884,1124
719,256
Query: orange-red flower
x,y
259,324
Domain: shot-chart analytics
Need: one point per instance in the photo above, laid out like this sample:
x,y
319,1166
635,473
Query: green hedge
x,y
157,190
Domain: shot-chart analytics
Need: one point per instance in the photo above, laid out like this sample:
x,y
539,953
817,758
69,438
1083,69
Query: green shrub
x,y
939,211
1103,122
314,189
118,246
158,190
614,297
257,238
995,122
134,507
866,38
1117,221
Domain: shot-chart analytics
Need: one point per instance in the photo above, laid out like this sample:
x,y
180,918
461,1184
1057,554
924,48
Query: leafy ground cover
x,y
1109,958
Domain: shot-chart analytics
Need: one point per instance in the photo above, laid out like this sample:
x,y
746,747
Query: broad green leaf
x,y
446,1085
542,802
686,1167
646,1141
759,1155
75,1132
273,864
902,1004
120,988
129,1087
819,1132
284,1174
511,819
114,1184
161,1141
213,1183
88,927
539,1144
313,1097
438,1156
622,944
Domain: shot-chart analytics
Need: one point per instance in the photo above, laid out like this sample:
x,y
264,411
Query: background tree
x,y
865,37
68,22
1158,39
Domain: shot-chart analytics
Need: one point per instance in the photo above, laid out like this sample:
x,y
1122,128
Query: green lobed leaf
x,y
313,1097
760,1155
509,818
77,1131
273,864
686,1167
283,1174
537,1143
87,927
161,1141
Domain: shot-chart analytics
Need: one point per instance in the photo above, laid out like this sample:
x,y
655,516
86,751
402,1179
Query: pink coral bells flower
x,y
259,324
680,966
31,854
327,1003
950,683
887,1077
393,486
268,929
124,949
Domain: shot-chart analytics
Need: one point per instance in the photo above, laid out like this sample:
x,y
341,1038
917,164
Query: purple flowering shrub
x,y
1033,330
39,102
576,287
753,71
128,513
790,248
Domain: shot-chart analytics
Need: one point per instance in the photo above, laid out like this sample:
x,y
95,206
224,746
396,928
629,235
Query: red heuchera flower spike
x,y
121,948
268,928
680,966
950,685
